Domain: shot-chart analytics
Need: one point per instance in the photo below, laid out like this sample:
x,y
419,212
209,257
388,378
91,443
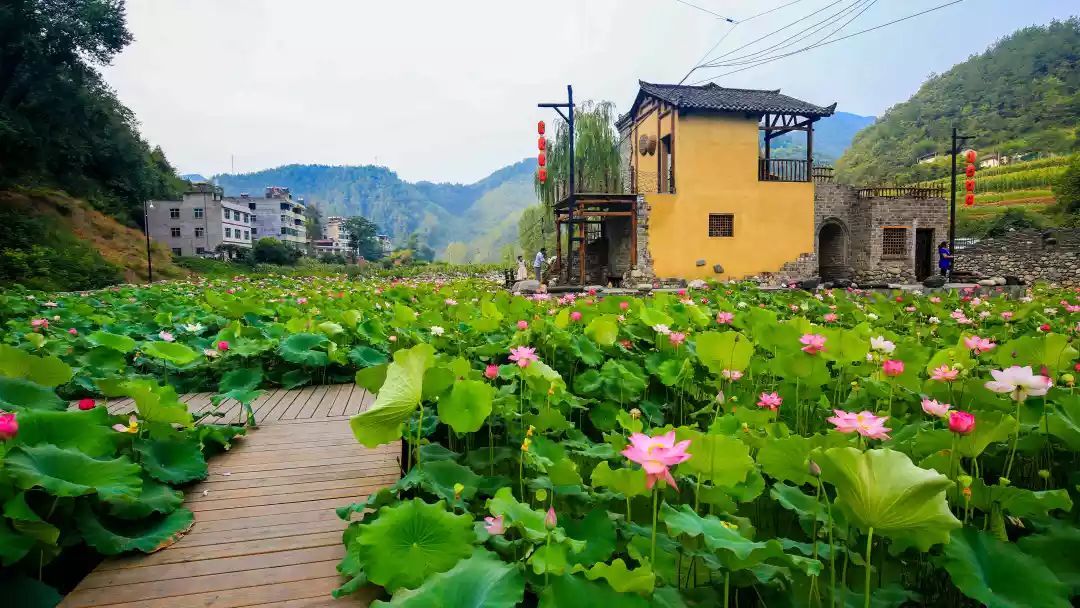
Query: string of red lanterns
x,y
969,183
541,158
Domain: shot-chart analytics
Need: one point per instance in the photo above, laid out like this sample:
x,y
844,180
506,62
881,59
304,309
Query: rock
x,y
699,263
644,287
934,281
635,273
841,283
718,269
1013,280
987,283
808,284
998,280
527,286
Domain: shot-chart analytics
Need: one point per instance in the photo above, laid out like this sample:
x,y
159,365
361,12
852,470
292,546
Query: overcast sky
x,y
447,90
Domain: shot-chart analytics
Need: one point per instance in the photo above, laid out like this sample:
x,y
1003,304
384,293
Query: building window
x,y
254,231
667,166
228,233
247,218
721,224
174,232
247,235
198,232
200,250
894,242
174,213
176,251
198,212
283,219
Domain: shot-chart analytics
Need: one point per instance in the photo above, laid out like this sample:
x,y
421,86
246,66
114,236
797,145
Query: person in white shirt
x,y
521,274
538,263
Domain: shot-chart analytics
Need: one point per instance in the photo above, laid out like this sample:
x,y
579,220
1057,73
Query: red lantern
x,y
969,185
540,127
971,156
541,143
969,200
541,174
541,159
970,171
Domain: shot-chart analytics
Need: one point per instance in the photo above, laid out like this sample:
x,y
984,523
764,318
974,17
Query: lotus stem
x,y
652,554
866,581
1016,439
727,588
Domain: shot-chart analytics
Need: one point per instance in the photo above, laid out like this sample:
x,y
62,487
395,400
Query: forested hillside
x,y
481,216
1021,95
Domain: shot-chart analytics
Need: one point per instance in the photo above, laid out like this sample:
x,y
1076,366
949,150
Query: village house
x,y
201,222
705,197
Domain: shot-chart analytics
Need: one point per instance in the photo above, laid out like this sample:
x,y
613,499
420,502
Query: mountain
x,y
482,215
193,177
832,136
1020,95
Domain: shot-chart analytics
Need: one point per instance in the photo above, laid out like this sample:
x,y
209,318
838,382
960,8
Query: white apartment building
x,y
277,215
200,222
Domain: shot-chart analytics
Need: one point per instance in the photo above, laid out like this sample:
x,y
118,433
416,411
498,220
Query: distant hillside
x,y
1021,95
832,136
441,213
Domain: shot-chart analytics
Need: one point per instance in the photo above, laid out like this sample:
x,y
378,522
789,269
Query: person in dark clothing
x,y
944,258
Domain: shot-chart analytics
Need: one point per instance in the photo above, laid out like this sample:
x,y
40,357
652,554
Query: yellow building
x,y
704,197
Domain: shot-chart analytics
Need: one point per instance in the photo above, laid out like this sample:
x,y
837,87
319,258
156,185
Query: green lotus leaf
x,y
586,350
550,558
302,348
47,371
295,378
993,427
173,352
114,536
597,531
437,380
372,378
86,431
20,394
13,545
245,378
787,459
25,520
480,581
1052,546
724,538
604,330
397,399
155,497
330,328
622,579
439,477
575,591
172,460
625,481
793,499
25,592
407,543
365,356
720,459
1050,350
157,403
14,362
724,350
102,359
623,380
1063,422
844,346
68,472
1000,575
122,344
882,489
467,406
652,317
1019,502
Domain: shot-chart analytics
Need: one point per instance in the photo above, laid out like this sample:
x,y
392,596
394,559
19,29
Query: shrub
x,y
269,250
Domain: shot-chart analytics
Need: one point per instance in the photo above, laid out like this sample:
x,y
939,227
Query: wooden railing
x,y
821,175
902,192
782,170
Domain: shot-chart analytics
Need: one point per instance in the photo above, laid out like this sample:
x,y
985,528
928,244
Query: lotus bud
x,y
814,469
458,489
550,520
541,495
635,413
720,397
967,494
1004,482
1068,379
965,480
1044,473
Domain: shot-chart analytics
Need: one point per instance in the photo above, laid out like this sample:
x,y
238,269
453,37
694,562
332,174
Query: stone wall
x,y
1025,254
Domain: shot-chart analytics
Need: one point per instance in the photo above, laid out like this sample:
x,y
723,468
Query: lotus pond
x,y
720,446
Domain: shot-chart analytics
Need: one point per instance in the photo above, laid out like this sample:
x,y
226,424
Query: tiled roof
x,y
716,98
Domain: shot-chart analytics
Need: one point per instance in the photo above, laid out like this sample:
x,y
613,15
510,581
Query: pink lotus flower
x,y
944,373
301,300
935,299
223,345
523,356
961,423
831,317
550,521
676,338
978,345
892,367
864,423
731,374
932,407
1045,327
450,302
73,331
8,426
39,323
87,404
166,336
522,325
491,371
1019,382
494,525
656,455
131,427
770,400
575,316
624,305
1006,315
814,343
725,318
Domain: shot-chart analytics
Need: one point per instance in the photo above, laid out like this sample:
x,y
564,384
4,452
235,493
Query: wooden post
x,y
810,151
633,235
558,246
671,185
581,249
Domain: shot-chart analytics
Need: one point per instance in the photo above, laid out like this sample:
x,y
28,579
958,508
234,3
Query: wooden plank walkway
x,y
265,529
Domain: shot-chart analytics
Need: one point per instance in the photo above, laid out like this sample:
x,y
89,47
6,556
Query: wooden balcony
x,y
783,170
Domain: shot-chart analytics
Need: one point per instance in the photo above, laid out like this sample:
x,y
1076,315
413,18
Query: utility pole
x,y
146,230
569,118
954,149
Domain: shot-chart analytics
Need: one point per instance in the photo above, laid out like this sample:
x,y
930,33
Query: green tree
x,y
457,253
596,154
536,229
1067,187
360,235
269,250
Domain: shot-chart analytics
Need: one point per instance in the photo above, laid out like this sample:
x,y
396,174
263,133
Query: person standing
x,y
521,274
538,264
945,258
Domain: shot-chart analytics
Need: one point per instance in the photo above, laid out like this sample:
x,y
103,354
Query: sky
x,y
447,91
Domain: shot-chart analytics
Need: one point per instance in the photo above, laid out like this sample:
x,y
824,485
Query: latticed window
x,y
721,224
894,242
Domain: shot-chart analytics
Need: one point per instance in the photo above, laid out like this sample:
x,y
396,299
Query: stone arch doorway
x,y
833,251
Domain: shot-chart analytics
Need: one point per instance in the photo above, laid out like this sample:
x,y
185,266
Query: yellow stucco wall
x,y
716,171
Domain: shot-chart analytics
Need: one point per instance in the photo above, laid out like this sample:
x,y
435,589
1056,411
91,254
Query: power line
x,y
705,10
820,44
697,64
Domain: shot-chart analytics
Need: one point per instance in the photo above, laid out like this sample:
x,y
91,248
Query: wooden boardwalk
x,y
265,529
